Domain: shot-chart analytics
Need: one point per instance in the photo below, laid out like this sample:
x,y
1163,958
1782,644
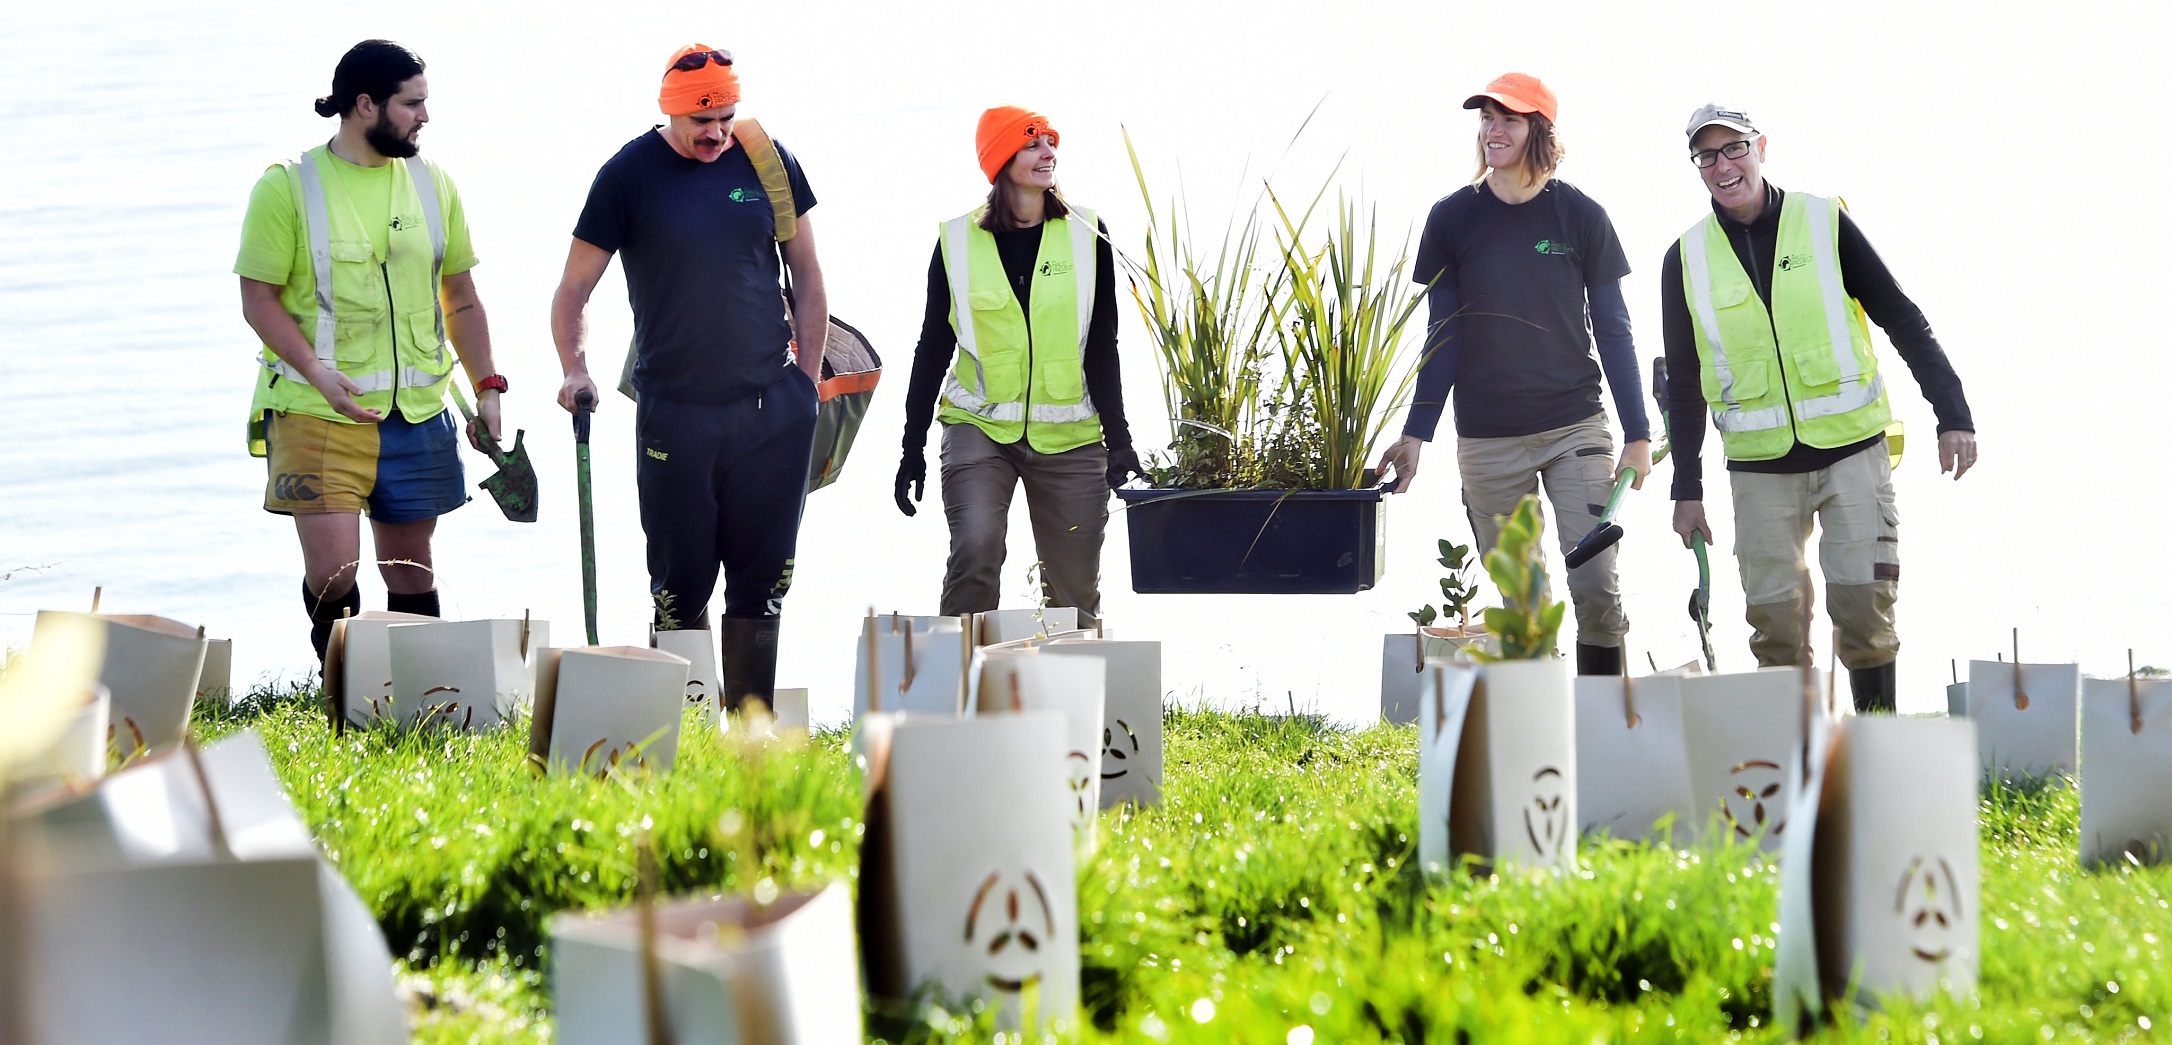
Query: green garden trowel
x,y
513,486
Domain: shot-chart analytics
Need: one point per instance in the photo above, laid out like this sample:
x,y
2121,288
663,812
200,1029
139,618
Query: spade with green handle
x,y
1700,600
1608,533
584,405
513,486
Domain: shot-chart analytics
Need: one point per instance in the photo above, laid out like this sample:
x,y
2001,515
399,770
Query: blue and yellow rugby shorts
x,y
400,471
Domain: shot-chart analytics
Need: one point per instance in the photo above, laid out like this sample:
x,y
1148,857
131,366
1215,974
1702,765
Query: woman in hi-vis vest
x,y
1017,359
1523,270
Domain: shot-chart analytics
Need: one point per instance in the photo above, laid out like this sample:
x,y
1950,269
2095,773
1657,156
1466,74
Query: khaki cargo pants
x,y
1858,547
1067,495
1577,464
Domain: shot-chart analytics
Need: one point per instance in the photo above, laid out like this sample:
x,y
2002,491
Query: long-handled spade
x,y
513,486
584,406
1608,533
1700,600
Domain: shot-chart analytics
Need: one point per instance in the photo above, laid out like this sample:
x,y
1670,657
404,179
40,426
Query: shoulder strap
x,y
769,167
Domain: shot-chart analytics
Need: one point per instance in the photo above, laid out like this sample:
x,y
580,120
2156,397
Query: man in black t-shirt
x,y
726,412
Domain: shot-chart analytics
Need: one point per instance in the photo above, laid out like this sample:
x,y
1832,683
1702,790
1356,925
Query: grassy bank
x,y
1271,898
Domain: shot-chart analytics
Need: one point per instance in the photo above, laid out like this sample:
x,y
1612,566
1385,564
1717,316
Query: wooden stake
x,y
212,824
874,666
524,617
97,594
2134,698
2021,697
652,977
1629,690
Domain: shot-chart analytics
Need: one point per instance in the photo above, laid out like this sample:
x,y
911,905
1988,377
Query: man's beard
x,y
382,139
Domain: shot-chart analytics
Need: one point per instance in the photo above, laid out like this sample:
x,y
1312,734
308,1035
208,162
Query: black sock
x,y
326,611
420,603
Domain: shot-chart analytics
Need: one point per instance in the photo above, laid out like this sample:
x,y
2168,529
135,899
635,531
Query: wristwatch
x,y
493,383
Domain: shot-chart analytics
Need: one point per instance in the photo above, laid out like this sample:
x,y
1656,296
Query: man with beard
x,y
354,269
726,404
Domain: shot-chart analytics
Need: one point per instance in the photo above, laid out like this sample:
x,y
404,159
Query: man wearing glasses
x,y
726,408
1764,305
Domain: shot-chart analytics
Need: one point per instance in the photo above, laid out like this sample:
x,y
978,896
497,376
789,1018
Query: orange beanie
x,y
688,91
1003,131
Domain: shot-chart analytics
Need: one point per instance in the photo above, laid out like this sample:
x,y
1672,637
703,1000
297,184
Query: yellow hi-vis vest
x,y
1805,370
377,320
1018,376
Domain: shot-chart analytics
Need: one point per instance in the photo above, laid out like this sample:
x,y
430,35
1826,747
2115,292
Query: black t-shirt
x,y
1524,361
702,271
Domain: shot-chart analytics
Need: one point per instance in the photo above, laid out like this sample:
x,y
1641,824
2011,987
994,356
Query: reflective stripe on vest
x,y
957,235
1784,337
317,219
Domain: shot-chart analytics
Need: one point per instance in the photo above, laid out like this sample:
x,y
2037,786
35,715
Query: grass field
x,y
1270,899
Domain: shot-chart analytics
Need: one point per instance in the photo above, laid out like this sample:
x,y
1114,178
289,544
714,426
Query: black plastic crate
x,y
1255,541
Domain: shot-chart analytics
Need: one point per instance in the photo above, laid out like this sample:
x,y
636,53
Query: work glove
x,y
1123,464
912,481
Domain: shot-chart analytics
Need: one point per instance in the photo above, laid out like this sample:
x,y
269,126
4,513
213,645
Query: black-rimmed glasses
x,y
1733,150
700,58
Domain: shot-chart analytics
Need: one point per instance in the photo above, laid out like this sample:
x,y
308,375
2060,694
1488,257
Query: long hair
x,y
373,67
1543,150
1002,217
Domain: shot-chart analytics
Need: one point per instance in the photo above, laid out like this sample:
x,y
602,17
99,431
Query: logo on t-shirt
x,y
741,195
1553,246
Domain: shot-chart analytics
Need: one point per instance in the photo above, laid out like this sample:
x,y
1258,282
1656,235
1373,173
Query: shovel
x,y
1666,421
584,404
1608,532
513,486
1700,601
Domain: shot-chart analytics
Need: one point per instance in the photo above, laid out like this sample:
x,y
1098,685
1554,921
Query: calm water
x,y
136,132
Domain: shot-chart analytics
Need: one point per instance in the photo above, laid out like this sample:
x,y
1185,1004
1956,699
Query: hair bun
x,y
325,107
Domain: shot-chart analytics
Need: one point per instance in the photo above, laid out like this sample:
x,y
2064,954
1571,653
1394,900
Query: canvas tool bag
x,y
1632,764
1131,743
921,665
182,900
470,674
1879,882
1502,760
1007,681
2126,771
600,707
1402,666
731,972
967,877
850,367
2026,717
150,669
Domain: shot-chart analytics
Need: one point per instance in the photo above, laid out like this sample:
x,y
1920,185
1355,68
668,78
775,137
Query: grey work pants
x,y
1067,495
1577,464
1859,549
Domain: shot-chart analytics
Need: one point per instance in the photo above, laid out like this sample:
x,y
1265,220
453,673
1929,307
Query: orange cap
x,y
1003,131
1518,92
711,83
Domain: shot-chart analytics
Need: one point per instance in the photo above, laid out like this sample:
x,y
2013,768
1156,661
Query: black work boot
x,y
750,661
1874,689
420,603
1598,660
325,612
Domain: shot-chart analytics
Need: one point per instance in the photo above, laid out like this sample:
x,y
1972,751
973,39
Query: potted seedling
x,y
1403,654
1282,356
1498,738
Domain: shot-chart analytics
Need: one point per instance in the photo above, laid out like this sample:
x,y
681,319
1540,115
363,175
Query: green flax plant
x,y
1343,343
1212,321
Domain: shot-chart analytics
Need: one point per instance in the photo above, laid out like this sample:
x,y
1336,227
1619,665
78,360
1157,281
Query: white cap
x,y
1713,113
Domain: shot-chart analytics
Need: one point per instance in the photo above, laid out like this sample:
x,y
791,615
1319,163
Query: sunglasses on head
x,y
700,58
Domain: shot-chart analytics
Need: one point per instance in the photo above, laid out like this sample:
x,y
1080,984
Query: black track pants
x,y
722,485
